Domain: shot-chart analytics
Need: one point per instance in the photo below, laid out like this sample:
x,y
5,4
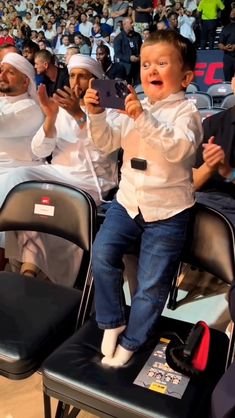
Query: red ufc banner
x,y
209,68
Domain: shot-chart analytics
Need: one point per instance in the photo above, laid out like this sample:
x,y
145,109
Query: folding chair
x,y
75,375
36,315
218,91
192,88
200,99
228,101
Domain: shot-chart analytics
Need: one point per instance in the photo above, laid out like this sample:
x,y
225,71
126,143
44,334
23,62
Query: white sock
x,y
121,357
109,341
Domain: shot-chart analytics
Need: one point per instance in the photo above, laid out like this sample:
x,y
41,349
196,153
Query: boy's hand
x,y
214,157
233,84
91,100
133,106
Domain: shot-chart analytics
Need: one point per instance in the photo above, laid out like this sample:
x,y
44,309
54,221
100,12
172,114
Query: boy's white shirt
x,y
167,135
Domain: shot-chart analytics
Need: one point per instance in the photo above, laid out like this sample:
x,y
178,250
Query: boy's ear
x,y
188,77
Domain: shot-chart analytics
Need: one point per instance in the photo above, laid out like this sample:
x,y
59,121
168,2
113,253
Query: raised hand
x,y
49,107
233,84
68,100
214,157
91,100
133,106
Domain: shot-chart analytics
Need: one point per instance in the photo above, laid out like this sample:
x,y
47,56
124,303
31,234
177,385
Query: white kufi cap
x,y
86,63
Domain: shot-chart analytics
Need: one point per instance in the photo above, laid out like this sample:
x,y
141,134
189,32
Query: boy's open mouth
x,y
156,82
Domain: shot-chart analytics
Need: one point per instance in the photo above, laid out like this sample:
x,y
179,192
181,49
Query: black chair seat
x,y
35,317
74,374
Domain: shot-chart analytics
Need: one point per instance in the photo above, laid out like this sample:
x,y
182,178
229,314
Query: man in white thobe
x,y
75,161
20,118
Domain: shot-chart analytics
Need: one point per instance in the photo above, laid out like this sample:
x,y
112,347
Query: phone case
x,y
112,93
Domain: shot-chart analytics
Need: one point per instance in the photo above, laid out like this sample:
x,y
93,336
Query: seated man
x,y
20,114
20,118
219,191
75,161
55,77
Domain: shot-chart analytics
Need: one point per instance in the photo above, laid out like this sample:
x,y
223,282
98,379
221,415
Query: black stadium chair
x,y
228,101
200,99
36,315
223,397
74,373
218,91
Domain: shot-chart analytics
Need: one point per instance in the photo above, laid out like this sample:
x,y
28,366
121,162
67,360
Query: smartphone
x,y
112,93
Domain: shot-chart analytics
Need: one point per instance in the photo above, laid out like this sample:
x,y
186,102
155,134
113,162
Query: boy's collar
x,y
171,98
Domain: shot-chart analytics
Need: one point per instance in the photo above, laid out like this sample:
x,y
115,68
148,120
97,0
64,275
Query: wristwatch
x,y
81,120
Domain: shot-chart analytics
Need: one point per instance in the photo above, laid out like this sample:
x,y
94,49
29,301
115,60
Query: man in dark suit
x,y
127,51
219,190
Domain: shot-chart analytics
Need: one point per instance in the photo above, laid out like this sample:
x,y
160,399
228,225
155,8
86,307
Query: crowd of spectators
x,y
58,25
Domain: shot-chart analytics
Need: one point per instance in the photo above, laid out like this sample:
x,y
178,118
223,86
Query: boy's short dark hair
x,y
186,48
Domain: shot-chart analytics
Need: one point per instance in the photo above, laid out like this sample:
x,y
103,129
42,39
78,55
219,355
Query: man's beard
x,y
6,89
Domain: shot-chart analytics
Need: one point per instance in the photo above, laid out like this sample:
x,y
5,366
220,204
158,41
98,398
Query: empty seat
x,y
36,315
200,99
192,88
228,101
218,91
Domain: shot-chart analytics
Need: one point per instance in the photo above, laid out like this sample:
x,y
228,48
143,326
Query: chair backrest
x,y
139,88
210,243
52,208
200,99
140,92
192,88
228,101
205,112
219,90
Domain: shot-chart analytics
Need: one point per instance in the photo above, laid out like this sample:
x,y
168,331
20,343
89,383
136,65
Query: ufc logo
x,y
208,72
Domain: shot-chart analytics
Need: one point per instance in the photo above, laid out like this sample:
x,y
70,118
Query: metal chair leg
x,y
174,290
62,410
47,405
74,413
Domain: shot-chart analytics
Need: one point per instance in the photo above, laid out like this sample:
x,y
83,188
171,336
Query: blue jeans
x,y
160,250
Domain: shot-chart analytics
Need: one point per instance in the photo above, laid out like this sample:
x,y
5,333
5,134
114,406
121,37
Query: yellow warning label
x,y
157,387
164,340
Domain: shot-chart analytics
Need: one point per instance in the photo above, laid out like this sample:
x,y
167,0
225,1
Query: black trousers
x,y
208,33
134,75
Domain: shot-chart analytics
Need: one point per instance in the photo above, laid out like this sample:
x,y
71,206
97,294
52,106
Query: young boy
x,y
159,136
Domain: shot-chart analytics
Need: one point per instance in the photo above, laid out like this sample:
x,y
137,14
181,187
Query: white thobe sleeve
x,y
41,145
105,131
